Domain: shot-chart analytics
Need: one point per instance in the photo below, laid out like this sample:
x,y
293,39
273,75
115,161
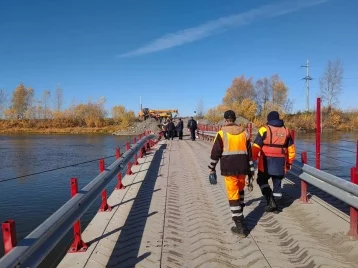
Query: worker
x,y
233,148
171,129
192,126
179,128
165,126
277,152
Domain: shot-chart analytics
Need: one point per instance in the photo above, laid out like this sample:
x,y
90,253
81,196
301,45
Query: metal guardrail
x,y
345,191
31,251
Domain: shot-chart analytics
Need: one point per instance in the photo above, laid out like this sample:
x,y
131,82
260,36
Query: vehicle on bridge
x,y
146,113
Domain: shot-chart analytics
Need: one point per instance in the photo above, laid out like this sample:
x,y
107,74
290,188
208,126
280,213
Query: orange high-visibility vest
x,y
275,144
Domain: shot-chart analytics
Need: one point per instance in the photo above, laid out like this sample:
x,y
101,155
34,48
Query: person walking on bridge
x,y
233,148
192,125
179,128
171,129
277,152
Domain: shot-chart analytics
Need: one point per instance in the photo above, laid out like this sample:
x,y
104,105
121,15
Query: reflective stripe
x,y
236,214
252,168
251,162
214,161
277,194
236,208
264,186
226,146
234,152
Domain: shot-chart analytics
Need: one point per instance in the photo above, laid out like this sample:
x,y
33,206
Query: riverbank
x,y
47,127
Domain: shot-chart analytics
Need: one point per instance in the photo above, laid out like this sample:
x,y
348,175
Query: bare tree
x,y
45,98
58,99
3,100
200,108
331,83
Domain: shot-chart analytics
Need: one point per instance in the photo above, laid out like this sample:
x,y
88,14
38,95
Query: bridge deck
x,y
170,216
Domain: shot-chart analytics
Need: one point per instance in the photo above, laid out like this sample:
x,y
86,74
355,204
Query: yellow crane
x,y
146,113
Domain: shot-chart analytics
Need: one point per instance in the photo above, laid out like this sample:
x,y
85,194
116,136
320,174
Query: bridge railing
x,y
346,191
32,250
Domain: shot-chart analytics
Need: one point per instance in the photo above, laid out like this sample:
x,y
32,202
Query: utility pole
x,y
307,78
140,102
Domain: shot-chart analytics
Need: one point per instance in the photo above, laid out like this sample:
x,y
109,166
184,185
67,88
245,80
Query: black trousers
x,y
171,134
192,134
180,134
262,181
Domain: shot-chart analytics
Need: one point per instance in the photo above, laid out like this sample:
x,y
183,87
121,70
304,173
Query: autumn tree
x,y
240,89
118,112
331,83
58,99
21,100
214,115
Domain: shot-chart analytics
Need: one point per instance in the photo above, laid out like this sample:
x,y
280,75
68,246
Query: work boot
x,y
239,228
271,204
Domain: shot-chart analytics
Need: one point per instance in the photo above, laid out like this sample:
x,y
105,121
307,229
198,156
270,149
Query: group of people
x,y
170,129
273,148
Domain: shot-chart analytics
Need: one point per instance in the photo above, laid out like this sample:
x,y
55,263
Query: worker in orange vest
x,y
233,148
277,152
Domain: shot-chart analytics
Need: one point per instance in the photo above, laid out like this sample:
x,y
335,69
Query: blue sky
x,y
172,53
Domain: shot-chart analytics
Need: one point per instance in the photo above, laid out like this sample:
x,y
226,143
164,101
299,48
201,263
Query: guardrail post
x,y
118,153
353,231
134,140
304,198
119,185
9,235
318,134
136,160
128,146
129,169
293,134
104,204
78,245
250,131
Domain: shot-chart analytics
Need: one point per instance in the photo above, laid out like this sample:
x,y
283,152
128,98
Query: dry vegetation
x,y
254,100
25,114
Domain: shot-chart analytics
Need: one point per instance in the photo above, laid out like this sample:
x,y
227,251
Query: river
x,y
31,199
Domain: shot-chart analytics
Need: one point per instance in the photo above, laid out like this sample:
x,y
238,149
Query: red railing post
x,y
353,231
119,185
104,204
136,160
128,146
118,153
304,198
9,235
318,134
78,245
293,135
134,140
250,130
129,168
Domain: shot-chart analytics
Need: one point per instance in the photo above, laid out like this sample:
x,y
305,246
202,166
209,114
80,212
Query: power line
x,y
307,78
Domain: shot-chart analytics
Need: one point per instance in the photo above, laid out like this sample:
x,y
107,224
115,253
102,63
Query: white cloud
x,y
220,25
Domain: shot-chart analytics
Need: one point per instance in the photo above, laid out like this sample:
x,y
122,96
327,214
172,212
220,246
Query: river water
x,y
31,199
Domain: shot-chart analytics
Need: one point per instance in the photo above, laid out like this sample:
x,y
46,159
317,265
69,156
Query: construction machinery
x,y
146,113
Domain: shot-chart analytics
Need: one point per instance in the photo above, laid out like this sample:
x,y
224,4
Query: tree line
x,y
48,110
253,100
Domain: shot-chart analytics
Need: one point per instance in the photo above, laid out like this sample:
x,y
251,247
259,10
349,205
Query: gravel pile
x,y
139,127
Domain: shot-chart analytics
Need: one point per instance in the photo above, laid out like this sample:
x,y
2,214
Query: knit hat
x,y
274,115
230,114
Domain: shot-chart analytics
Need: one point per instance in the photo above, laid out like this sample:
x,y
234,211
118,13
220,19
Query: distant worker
x,y
233,148
180,127
192,126
171,129
277,152
165,126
